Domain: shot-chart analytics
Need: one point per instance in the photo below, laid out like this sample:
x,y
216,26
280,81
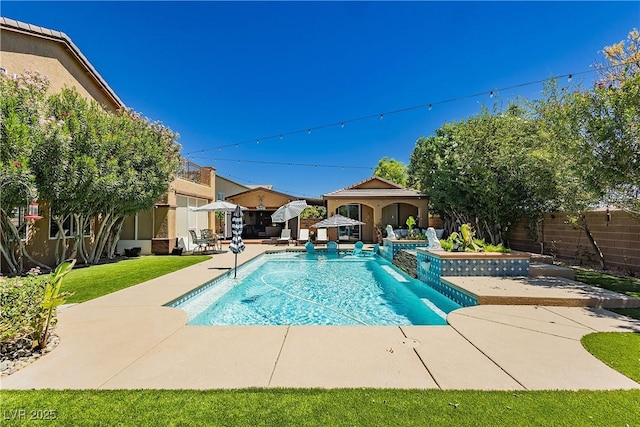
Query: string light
x,y
569,78
430,105
263,162
381,116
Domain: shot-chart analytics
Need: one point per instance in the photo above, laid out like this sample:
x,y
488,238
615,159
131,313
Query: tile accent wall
x,y
390,248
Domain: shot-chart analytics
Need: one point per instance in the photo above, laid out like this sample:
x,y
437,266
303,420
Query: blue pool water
x,y
295,288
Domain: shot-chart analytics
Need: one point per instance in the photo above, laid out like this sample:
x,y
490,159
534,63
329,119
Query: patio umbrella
x,y
237,245
288,211
337,221
218,205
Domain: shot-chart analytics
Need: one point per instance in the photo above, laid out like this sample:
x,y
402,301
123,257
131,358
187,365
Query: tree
x,y
91,165
489,170
392,170
22,105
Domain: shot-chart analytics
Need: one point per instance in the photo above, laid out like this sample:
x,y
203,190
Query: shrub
x,y
29,305
21,299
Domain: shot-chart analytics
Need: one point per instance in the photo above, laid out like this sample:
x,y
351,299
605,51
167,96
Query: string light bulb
x,y
309,132
491,94
430,106
342,124
381,116
570,78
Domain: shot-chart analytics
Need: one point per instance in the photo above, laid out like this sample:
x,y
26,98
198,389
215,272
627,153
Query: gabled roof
x,y
373,180
60,37
375,187
268,190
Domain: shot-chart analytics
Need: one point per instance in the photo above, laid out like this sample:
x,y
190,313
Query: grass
x,y
342,407
624,285
95,281
619,350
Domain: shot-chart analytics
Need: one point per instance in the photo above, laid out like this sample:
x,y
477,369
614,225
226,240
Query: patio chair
x,y
357,248
373,252
332,247
202,243
211,238
309,248
285,236
303,236
321,236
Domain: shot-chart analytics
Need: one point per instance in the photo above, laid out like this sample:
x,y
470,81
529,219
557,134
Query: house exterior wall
x,y
372,211
53,58
228,188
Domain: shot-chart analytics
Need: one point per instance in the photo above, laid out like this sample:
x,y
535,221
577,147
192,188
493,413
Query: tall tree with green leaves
x,y
489,170
392,170
22,112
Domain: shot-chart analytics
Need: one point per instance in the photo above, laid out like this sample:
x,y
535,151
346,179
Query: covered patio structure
x,y
377,202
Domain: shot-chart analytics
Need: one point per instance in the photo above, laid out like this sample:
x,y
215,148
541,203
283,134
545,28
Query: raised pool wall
x,y
432,266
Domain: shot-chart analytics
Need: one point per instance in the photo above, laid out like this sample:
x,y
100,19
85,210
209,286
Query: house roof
x,y
268,190
60,37
375,187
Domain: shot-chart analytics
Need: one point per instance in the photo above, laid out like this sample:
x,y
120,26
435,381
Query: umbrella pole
x,y
235,268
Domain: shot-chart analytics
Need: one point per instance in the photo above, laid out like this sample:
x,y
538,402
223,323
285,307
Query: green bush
x,y
21,299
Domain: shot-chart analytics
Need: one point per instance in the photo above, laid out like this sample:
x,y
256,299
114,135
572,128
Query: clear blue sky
x,y
222,73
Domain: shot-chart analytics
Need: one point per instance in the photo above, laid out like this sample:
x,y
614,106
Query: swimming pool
x,y
296,288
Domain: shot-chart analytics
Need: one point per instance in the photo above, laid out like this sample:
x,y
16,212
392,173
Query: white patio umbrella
x,y
288,211
337,221
218,205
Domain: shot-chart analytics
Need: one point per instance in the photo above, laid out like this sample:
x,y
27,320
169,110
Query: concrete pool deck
x,y
128,340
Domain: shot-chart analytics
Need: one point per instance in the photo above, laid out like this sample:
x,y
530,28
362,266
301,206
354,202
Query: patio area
x,y
129,340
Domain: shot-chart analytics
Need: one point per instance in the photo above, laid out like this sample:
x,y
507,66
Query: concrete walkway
x,y
128,340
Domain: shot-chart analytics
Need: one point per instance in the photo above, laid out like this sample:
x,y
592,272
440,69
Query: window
x,y
68,225
17,219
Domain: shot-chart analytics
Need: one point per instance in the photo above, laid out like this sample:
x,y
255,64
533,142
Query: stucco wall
x,y
22,52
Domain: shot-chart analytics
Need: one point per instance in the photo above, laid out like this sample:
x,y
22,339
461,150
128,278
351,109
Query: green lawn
x,y
620,350
624,285
359,407
95,281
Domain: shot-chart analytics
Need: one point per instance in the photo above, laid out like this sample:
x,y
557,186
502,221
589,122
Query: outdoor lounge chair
x,y
202,243
373,252
285,236
303,236
321,236
309,248
332,247
357,248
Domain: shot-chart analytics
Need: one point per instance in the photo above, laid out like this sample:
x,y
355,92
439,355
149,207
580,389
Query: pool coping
x,y
129,340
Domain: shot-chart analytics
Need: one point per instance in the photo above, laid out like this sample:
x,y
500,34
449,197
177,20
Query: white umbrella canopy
x,y
288,211
218,205
337,221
